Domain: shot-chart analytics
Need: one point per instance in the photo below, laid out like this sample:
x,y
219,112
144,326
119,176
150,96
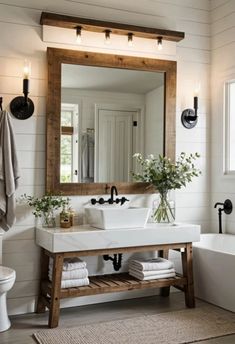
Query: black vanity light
x,y
189,117
107,39
23,107
159,43
130,39
79,34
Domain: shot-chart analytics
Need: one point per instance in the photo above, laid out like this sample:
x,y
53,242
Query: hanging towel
x,y
9,172
151,264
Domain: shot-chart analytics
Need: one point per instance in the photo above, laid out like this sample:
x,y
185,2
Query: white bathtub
x,y
214,269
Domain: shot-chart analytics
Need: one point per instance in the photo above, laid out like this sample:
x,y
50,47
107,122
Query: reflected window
x,y
229,127
69,143
67,118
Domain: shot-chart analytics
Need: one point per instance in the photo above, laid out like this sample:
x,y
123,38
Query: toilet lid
x,y
6,273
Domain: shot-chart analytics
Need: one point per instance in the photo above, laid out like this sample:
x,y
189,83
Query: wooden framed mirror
x,y
60,127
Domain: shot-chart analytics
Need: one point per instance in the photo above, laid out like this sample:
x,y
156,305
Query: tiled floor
x,y
24,326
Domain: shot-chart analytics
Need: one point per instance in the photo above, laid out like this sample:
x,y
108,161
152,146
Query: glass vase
x,y
163,209
48,219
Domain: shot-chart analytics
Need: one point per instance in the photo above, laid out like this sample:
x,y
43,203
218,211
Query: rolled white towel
x,y
70,274
151,264
150,273
153,277
70,264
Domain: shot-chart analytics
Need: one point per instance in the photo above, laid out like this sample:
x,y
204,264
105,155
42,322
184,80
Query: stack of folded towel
x,y
74,273
150,269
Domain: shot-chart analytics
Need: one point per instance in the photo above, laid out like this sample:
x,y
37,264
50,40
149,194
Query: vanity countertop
x,y
82,238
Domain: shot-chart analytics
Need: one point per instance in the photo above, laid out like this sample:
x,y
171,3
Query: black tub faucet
x,y
227,207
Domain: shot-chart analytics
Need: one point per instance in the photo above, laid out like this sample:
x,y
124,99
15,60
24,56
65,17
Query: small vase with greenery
x,y
165,175
45,207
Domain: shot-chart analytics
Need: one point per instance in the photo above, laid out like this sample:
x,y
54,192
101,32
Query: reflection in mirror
x,y
107,115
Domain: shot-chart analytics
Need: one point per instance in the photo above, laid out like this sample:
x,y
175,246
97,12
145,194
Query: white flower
x,y
137,155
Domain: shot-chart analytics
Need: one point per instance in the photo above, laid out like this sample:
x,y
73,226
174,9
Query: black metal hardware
x,y
22,107
111,200
116,259
1,100
227,207
189,117
135,123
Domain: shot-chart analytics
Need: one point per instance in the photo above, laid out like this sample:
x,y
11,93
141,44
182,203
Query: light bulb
x,y
26,69
130,39
159,43
79,34
107,37
197,89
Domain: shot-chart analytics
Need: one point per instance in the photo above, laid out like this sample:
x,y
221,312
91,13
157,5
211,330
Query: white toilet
x,y
7,280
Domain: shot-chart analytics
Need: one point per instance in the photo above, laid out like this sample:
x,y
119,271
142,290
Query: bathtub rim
x,y
197,244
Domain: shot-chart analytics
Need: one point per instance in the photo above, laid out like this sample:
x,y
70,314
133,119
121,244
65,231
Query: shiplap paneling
x,y
21,37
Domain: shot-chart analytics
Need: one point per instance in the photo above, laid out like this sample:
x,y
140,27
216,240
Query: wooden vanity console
x,y
51,292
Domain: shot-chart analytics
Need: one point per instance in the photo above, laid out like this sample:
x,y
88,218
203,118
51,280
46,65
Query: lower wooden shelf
x,y
114,283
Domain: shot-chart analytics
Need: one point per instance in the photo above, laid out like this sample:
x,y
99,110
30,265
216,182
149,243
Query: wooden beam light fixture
x,y
105,27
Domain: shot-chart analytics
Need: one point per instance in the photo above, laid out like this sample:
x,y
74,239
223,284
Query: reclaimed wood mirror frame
x,y
55,59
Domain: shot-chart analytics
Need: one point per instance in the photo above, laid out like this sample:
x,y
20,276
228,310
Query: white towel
x,y
71,264
80,282
9,172
151,264
70,274
143,274
153,277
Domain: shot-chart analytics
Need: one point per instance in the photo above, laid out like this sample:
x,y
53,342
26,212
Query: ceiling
x,y
110,79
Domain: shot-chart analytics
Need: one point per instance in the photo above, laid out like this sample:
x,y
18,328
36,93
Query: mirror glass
x,y
107,115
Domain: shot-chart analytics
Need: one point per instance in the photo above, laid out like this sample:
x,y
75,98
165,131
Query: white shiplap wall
x,y
223,68
21,38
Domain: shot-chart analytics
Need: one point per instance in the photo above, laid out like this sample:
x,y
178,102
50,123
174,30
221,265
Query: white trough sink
x,y
112,217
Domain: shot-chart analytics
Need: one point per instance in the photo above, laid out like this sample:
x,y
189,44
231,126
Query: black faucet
x,y
112,191
227,207
111,200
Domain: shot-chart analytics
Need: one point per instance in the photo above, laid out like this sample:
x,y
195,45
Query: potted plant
x,y
165,175
45,207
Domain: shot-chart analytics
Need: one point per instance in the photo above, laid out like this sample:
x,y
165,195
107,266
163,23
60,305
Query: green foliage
x,y
45,204
166,175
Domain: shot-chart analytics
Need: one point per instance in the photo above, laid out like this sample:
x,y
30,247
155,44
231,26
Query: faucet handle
x,y
93,201
123,200
228,206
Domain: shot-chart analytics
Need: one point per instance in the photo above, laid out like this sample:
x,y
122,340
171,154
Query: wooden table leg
x,y
43,276
54,311
187,263
165,291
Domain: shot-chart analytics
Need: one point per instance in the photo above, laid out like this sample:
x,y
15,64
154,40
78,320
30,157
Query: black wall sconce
x,y
23,107
189,117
